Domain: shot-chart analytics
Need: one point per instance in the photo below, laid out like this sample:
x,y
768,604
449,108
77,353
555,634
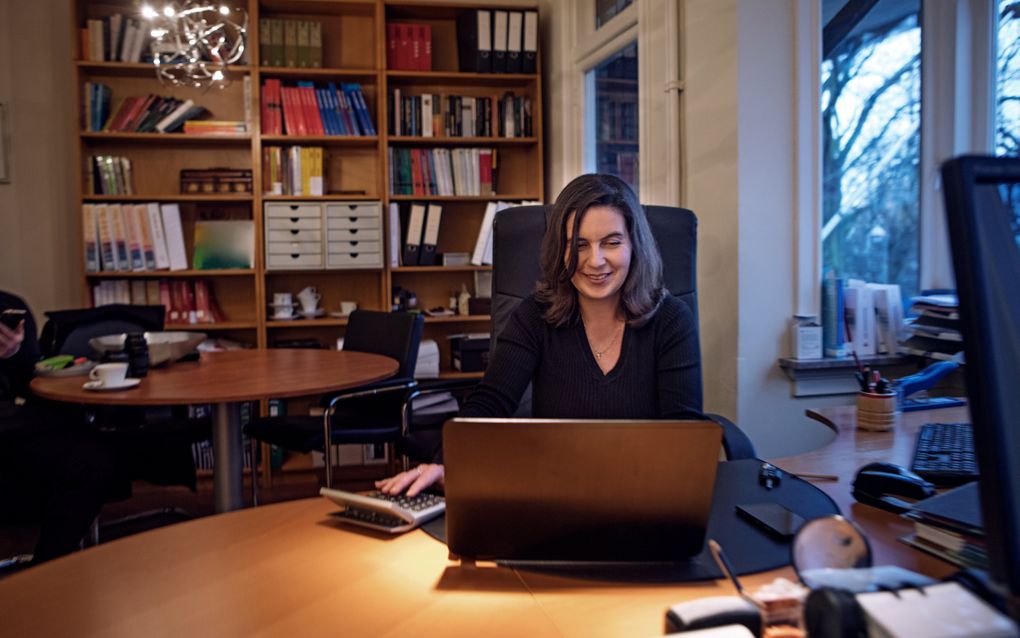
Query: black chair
x,y
516,269
364,415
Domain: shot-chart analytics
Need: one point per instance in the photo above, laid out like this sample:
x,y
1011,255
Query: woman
x,y
600,338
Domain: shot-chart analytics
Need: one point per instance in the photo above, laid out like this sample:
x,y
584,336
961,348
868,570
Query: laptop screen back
x,y
578,490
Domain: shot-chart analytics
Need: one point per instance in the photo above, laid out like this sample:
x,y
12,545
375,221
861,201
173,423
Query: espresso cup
x,y
347,307
109,374
283,299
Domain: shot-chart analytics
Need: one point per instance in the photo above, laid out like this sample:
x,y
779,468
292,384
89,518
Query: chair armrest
x,y
382,387
426,388
736,443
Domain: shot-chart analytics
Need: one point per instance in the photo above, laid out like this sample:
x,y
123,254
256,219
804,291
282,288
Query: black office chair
x,y
516,248
155,441
364,415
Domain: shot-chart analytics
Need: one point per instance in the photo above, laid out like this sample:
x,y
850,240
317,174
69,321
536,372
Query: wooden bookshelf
x,y
354,49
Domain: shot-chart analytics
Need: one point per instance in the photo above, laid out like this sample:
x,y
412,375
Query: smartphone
x,y
12,317
773,518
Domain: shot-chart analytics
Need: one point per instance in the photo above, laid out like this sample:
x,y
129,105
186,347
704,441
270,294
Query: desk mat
x,y
749,549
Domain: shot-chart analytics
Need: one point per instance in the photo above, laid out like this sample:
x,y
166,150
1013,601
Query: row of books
x,y
307,109
293,170
618,120
442,171
441,115
497,41
864,317
408,46
115,38
417,244
109,175
950,525
934,332
290,43
186,301
133,237
135,114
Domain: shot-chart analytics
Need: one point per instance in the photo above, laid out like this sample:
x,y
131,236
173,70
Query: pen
x,y
728,572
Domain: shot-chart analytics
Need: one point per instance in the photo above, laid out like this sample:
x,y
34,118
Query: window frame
x,y
655,26
958,39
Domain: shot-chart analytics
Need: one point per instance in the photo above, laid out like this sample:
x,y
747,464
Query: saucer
x,y
283,318
98,385
318,312
340,315
283,305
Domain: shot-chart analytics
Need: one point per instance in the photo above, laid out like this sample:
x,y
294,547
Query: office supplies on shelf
x,y
386,512
945,454
951,526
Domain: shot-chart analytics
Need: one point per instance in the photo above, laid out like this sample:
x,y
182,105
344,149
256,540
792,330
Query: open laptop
x,y
579,490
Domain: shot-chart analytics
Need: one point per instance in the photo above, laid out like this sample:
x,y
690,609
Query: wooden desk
x,y
225,379
290,570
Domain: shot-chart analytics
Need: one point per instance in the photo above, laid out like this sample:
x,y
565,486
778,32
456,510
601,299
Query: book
x,y
174,234
394,236
415,226
430,239
159,247
833,334
484,234
90,232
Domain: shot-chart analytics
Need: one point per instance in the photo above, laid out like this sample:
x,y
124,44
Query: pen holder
x,y
877,412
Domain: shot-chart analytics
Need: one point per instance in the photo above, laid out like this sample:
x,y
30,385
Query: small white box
x,y
806,335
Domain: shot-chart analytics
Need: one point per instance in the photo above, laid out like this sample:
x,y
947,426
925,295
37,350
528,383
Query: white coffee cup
x,y
309,304
283,312
283,299
309,296
347,307
109,374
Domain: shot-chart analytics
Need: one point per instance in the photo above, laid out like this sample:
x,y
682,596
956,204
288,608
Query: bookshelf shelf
x,y
161,274
305,323
462,141
213,327
329,140
284,72
455,78
460,319
462,198
423,269
139,69
168,138
200,199
322,198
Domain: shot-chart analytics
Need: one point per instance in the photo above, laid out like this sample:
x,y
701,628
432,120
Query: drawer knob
x,y
294,232
293,207
295,255
294,220
354,219
354,255
354,231
354,243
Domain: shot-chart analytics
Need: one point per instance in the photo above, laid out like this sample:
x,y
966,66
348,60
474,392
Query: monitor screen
x,y
982,196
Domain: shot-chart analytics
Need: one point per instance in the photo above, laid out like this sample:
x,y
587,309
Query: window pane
x,y
615,128
1007,80
605,10
871,124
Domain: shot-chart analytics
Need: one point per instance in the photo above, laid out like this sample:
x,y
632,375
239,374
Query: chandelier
x,y
192,42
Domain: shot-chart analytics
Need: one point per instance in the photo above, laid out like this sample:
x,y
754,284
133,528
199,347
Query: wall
x,y
38,257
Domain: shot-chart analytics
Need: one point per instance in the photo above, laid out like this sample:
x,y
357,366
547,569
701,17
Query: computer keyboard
x,y
385,512
945,454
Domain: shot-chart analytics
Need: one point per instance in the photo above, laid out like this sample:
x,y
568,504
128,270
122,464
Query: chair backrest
x,y
69,331
517,234
392,334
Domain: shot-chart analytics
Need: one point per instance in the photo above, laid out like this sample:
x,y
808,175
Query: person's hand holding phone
x,y
12,332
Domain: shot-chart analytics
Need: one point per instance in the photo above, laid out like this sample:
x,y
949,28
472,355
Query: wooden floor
x,y
147,500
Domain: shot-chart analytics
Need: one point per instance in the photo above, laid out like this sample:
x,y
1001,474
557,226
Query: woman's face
x,y
603,253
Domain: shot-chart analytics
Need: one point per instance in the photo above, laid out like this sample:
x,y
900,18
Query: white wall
x,y
38,257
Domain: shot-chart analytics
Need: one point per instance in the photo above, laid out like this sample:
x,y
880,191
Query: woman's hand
x,y
414,480
10,340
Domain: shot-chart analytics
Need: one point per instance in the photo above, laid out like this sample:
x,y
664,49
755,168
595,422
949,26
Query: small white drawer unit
x,y
334,235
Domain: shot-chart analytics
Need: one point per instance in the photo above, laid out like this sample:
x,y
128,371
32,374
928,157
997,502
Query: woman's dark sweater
x,y
657,376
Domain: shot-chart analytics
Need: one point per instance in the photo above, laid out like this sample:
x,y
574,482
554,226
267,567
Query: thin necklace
x,y
598,353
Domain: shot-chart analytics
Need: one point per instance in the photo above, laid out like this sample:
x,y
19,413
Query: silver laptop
x,y
579,490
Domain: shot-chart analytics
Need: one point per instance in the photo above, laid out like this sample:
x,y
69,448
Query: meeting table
x,y
225,380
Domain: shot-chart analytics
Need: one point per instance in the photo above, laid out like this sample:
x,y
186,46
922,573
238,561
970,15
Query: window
x,y
623,71
1007,79
612,134
871,138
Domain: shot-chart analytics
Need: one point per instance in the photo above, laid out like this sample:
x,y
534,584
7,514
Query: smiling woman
x,y
600,338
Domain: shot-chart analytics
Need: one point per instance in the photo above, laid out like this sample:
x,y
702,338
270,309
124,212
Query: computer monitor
x,y
982,196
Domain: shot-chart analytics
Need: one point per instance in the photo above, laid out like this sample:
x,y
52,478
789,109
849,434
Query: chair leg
x,y
254,472
327,448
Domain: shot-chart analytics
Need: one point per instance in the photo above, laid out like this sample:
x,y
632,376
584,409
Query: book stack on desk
x,y
949,525
935,333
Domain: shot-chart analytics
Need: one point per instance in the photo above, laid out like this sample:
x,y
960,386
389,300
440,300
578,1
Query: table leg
x,y
228,458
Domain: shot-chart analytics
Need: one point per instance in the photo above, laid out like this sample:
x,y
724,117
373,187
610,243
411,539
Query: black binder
x,y
474,41
412,244
430,236
515,29
500,24
529,47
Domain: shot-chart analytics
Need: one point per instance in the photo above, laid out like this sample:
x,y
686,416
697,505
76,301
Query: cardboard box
x,y
469,352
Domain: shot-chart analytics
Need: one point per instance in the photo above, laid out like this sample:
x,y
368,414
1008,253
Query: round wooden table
x,y
225,379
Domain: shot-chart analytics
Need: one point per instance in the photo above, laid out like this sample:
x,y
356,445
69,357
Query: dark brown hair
x,y
642,291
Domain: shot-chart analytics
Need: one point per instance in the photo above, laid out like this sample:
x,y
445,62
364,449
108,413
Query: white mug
x,y
283,312
309,294
109,374
282,299
310,304
347,307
